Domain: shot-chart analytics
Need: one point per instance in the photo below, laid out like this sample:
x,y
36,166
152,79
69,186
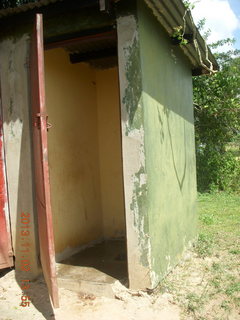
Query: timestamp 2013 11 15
x,y
25,264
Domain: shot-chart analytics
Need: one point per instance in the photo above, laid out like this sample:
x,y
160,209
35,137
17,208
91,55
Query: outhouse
x,y
97,134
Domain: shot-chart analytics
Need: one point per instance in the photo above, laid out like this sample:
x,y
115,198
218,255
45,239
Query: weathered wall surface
x,y
130,75
169,145
84,151
158,145
17,139
110,157
14,51
73,151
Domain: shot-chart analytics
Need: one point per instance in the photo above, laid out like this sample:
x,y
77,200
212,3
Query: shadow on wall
x,y
167,84
158,95
167,74
19,164
157,68
18,146
180,178
34,290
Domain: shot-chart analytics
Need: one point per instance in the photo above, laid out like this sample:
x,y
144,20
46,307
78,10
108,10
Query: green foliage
x,y
194,302
203,247
234,251
216,169
217,114
207,219
233,288
189,5
178,34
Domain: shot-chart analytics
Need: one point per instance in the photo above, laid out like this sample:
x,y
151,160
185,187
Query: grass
x,y
207,287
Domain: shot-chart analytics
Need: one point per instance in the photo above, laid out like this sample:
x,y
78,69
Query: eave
x,y
170,14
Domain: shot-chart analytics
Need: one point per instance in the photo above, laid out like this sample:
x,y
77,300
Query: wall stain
x,y
134,89
139,208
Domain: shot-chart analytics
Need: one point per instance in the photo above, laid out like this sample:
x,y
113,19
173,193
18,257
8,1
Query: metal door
x,y
6,254
42,187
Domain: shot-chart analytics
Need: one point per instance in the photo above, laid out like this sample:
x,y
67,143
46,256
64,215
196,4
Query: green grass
x,y
219,216
208,286
219,224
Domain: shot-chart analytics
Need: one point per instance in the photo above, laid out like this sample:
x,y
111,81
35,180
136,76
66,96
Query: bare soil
x,y
127,305
205,286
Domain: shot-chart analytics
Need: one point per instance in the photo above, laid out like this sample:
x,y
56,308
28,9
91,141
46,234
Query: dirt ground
x,y
204,286
126,306
188,293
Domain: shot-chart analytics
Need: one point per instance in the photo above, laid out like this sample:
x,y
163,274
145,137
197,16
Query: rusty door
x,y
42,187
6,254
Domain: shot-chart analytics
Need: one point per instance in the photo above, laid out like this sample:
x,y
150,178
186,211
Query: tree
x,y
217,124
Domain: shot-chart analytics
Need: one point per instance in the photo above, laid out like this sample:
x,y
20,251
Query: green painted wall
x,y
169,145
158,145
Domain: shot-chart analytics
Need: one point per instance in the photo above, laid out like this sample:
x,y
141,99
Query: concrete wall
x,y
73,151
110,155
157,139
84,151
158,145
169,145
15,101
83,106
17,138
130,75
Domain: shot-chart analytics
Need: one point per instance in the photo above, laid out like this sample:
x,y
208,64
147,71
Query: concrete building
x,y
114,79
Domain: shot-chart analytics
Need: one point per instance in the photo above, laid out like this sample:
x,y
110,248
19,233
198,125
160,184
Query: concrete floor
x,y
95,269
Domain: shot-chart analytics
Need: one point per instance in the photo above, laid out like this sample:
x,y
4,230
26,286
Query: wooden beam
x,y
93,55
108,35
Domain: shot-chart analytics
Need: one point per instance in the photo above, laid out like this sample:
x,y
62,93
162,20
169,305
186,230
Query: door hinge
x,y
37,122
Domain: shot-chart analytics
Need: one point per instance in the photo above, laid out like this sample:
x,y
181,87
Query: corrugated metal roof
x,y
170,14
173,13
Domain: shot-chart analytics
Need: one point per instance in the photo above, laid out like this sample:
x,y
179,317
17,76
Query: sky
x,y
222,18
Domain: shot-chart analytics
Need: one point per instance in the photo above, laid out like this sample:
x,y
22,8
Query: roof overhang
x,y
172,14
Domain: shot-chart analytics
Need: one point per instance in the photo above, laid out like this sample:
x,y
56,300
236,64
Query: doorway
x,y
85,165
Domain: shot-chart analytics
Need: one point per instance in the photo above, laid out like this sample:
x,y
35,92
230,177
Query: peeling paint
x,y
134,89
139,209
134,128
135,179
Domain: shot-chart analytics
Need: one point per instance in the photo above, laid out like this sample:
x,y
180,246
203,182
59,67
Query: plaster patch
x,y
130,79
135,185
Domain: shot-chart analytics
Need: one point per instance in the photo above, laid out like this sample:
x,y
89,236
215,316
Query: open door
x,y
6,254
42,187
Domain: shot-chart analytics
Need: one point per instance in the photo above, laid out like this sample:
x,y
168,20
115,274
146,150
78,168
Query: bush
x,y
217,126
217,171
